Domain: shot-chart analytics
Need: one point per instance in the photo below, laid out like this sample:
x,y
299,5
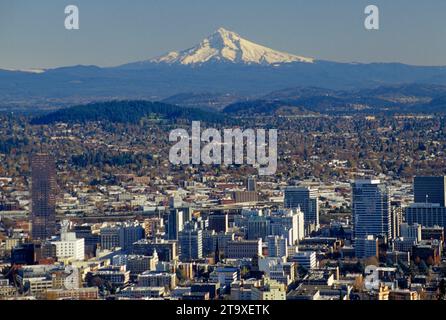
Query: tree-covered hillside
x,y
126,112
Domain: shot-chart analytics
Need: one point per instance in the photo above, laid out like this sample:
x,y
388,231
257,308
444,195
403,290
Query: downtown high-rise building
x,y
219,222
396,218
307,200
251,184
129,234
366,247
258,227
371,210
411,231
190,240
175,223
426,214
277,246
43,196
121,235
429,207
430,190
288,223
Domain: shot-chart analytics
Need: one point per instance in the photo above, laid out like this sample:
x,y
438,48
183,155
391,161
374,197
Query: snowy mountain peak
x,y
228,46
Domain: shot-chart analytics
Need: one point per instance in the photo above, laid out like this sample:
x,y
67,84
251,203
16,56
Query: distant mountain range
x,y
224,69
416,98
301,101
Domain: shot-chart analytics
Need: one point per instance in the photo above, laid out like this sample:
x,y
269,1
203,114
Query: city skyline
x,y
222,234
267,152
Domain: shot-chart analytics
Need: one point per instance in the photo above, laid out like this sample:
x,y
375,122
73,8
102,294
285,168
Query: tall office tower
x,y
426,214
91,240
277,246
396,218
110,237
307,200
371,209
211,238
288,223
258,227
121,235
190,240
175,223
412,232
366,247
43,196
430,190
129,234
219,222
251,184
187,212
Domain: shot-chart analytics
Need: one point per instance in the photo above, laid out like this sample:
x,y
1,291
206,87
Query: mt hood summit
x,y
228,46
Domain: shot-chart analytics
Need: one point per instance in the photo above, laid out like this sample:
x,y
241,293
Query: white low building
x,y
69,247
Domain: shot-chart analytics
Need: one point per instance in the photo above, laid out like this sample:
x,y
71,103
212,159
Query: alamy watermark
x,y
72,17
371,21
226,147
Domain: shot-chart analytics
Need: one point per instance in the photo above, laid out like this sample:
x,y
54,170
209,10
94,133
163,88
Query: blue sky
x,y
114,32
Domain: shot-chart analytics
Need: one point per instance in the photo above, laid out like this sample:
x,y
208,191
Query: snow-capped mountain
x,y
228,46
222,63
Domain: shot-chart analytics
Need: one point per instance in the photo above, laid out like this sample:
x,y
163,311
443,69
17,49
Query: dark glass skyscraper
x,y
219,222
307,200
43,194
251,184
371,209
175,223
430,190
